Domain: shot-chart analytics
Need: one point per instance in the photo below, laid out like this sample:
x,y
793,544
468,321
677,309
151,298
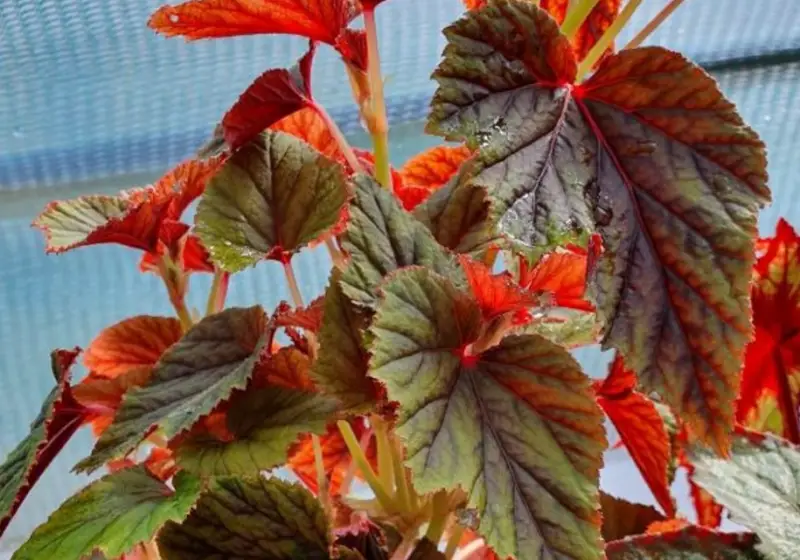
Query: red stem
x,y
786,400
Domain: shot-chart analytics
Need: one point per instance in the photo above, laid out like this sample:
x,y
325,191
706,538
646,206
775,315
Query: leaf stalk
x,y
608,37
653,24
576,16
379,124
382,495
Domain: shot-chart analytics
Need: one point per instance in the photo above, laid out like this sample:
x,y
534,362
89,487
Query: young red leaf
x,y
61,415
772,359
688,543
320,20
133,343
708,511
308,126
216,357
308,318
496,294
184,184
352,45
640,427
560,275
274,95
675,270
515,427
273,197
430,170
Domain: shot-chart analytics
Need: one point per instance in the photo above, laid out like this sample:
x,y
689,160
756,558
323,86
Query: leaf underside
x,y
758,485
250,517
622,518
112,514
273,197
648,153
515,427
217,356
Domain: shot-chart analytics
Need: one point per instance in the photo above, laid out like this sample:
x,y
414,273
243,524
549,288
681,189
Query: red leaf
x,y
428,171
562,275
131,344
60,417
596,23
709,512
307,125
496,294
772,359
308,318
274,95
352,45
194,256
640,427
161,463
320,20
369,4
186,182
335,457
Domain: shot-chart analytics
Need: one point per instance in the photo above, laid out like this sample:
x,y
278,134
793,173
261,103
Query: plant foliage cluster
x,y
585,195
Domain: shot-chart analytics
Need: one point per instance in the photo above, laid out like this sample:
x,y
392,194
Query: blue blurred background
x,y
92,101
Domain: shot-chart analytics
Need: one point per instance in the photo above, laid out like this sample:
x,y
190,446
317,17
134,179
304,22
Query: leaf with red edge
x,y
496,294
640,427
515,426
102,396
335,456
308,318
308,126
320,20
560,275
647,152
131,344
216,357
688,543
434,167
271,198
274,95
61,415
772,359
185,183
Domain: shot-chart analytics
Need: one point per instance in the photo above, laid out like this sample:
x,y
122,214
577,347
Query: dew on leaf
x,y
602,215
174,18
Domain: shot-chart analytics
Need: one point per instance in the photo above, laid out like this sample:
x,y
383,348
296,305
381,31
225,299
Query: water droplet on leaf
x,y
174,18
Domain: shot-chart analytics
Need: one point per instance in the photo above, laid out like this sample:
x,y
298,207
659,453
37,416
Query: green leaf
x,y
578,329
59,418
758,484
255,518
458,216
689,543
263,423
516,427
213,359
647,152
340,369
622,518
381,238
112,514
274,196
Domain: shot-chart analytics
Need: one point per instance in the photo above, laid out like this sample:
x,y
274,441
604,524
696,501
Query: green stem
x,y
341,141
608,37
453,541
322,477
385,464
337,257
218,293
351,470
439,514
402,491
379,127
366,469
173,277
291,280
653,24
576,16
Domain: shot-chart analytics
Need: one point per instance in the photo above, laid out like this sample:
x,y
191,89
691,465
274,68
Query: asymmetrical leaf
x,y
340,369
102,396
649,153
262,424
270,199
689,543
381,238
320,20
758,485
622,518
515,427
250,517
131,344
61,415
217,356
458,216
113,515
772,360
274,95
640,427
